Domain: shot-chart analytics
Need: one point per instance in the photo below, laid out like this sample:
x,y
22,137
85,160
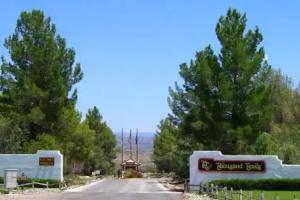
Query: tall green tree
x,y
225,99
105,142
224,102
11,136
165,146
37,81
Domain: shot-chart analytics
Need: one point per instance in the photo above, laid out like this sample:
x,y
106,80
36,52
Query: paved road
x,y
110,189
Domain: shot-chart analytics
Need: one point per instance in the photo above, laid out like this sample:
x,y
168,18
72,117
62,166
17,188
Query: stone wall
x,y
272,168
32,166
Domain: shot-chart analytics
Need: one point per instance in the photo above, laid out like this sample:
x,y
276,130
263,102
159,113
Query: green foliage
x,y
38,98
52,183
37,81
259,184
131,173
104,145
284,100
79,145
42,142
264,144
11,136
165,146
233,102
224,102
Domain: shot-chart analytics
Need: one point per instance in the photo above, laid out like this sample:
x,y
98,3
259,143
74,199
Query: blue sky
x,y
130,50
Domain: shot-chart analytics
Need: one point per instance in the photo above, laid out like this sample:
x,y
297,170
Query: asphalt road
x,y
110,189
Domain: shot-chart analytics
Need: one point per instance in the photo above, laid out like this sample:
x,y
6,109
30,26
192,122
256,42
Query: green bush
x,y
131,173
259,184
52,183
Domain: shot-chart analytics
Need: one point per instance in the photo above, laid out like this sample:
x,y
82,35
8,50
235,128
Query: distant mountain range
x,y
141,134
145,141
145,144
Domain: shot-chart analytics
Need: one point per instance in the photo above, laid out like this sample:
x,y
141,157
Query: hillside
x,y
145,149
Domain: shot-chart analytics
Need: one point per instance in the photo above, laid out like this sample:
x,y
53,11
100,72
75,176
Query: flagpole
x,y
130,145
137,145
122,146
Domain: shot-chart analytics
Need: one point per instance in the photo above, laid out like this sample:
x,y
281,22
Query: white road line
x,y
84,187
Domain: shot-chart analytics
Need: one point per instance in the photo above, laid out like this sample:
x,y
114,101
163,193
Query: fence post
x,y
225,193
217,191
231,193
276,197
212,189
250,195
47,184
32,184
241,195
262,196
207,188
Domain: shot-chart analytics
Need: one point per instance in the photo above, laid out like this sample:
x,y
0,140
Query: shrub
x,y
259,184
75,180
131,173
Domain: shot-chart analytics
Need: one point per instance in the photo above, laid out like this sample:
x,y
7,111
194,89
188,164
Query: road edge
x,y
84,187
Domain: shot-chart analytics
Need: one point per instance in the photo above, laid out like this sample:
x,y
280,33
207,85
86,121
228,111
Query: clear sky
x,y
130,50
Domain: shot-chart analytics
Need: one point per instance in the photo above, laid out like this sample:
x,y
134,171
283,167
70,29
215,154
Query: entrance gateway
x,y
206,166
130,163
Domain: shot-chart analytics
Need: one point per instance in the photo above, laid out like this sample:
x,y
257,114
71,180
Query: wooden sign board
x,y
46,161
211,165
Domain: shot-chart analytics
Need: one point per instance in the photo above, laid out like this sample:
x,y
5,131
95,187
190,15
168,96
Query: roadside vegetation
x,y
268,195
38,100
259,184
232,101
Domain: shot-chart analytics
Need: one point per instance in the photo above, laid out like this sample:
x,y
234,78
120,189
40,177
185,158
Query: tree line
x,y
232,101
38,99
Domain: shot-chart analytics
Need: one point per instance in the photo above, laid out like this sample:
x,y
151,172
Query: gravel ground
x,y
192,196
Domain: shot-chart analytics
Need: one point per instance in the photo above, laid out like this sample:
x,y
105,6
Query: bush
x,y
131,173
52,183
259,184
76,180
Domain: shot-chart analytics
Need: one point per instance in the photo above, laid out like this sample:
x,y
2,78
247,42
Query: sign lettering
x,y
46,161
211,165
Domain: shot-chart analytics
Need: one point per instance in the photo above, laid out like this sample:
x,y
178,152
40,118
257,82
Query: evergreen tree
x,y
105,143
224,101
37,82
165,146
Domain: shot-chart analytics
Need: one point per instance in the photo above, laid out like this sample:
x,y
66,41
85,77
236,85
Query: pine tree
x,y
105,143
37,82
224,103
